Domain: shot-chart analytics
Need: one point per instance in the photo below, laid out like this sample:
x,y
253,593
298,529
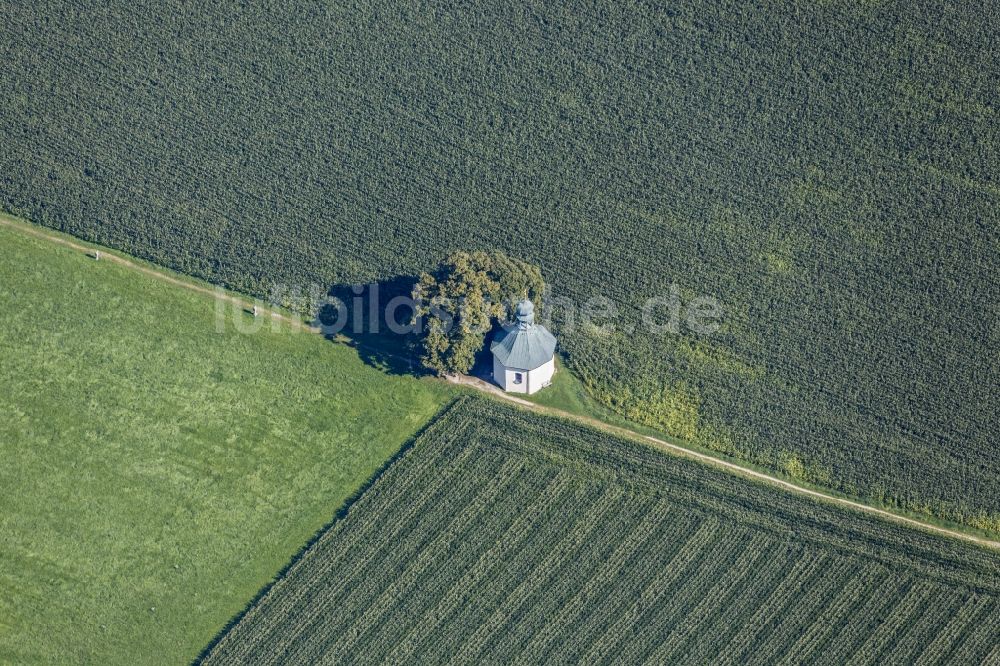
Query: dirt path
x,y
161,275
726,465
495,391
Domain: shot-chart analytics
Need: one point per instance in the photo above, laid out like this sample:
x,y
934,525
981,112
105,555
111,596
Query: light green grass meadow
x,y
157,473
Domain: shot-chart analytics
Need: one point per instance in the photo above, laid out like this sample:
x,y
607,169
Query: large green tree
x,y
459,303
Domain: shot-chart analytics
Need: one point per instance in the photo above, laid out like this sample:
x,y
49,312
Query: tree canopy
x,y
460,302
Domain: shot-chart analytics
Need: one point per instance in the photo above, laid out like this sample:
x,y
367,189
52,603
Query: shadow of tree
x,y
374,319
483,366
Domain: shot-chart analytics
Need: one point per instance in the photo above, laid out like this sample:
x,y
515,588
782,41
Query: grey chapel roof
x,y
524,345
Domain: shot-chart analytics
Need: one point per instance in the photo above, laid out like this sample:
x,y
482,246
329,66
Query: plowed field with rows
x,y
506,536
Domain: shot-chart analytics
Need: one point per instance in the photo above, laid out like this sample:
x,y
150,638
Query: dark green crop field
x,y
506,537
826,170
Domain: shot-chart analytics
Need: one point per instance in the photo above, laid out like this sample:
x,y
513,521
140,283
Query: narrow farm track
x,y
727,465
161,275
480,385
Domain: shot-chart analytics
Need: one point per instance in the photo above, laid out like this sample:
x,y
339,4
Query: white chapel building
x,y
523,353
